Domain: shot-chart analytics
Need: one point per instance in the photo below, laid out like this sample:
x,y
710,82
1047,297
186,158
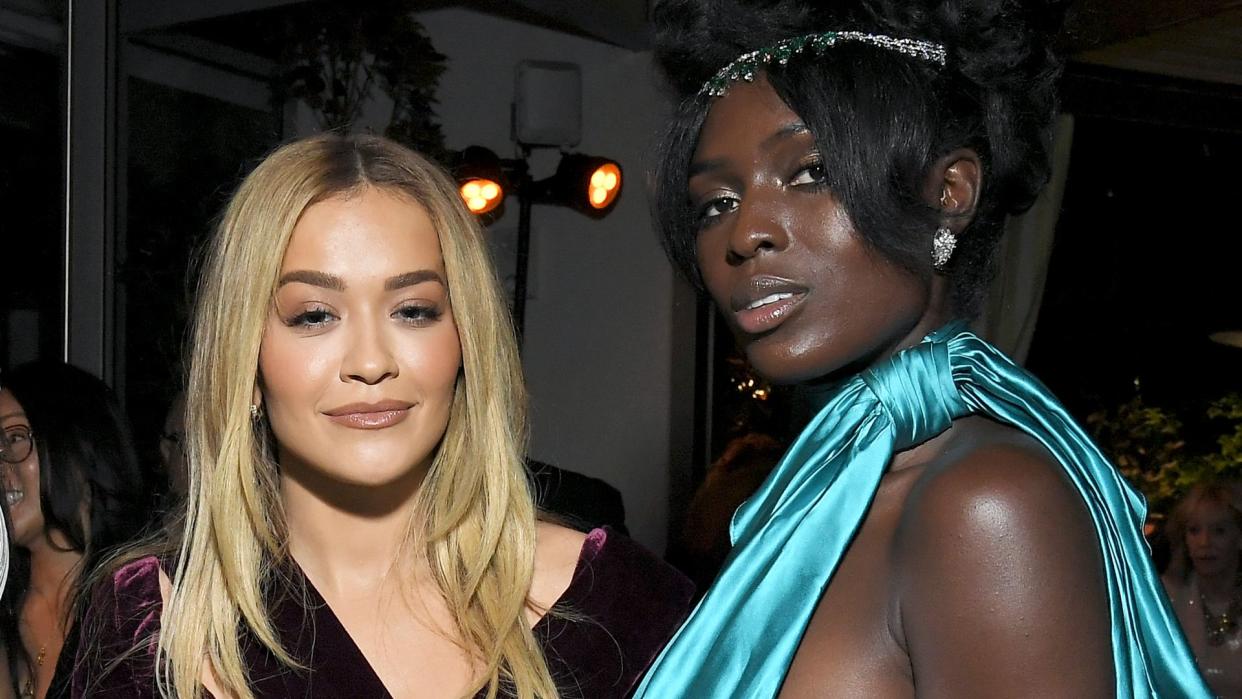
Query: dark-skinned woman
x,y
836,178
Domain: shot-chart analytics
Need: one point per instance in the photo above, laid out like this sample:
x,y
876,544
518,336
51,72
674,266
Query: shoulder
x,y
621,607
1000,565
572,567
130,597
992,493
113,648
1175,587
556,557
987,475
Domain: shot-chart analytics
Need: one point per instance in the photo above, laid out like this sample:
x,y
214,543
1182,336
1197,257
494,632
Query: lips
x,y
370,416
763,302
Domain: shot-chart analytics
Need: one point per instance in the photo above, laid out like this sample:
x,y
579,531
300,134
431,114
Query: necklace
x,y
1220,627
29,687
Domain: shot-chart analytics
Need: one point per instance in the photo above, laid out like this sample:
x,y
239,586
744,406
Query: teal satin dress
x,y
791,535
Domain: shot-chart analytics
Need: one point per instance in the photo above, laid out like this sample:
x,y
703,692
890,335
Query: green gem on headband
x,y
745,67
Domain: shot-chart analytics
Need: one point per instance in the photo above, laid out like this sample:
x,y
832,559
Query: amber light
x,y
481,196
605,183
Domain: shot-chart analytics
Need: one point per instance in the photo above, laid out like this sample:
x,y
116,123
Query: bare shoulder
x,y
991,479
557,550
1176,589
1001,569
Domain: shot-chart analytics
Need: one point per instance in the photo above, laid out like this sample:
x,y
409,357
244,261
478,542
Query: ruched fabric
x,y
790,536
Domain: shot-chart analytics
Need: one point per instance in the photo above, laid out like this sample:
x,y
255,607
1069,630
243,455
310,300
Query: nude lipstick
x,y
763,303
370,416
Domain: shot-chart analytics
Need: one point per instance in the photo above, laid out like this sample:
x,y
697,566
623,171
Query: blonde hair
x,y
475,509
1227,494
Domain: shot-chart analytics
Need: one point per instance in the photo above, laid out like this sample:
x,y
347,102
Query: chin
x,y
377,473
359,468
783,367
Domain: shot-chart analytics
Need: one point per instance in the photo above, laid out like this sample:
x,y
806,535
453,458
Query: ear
x,y
953,185
256,399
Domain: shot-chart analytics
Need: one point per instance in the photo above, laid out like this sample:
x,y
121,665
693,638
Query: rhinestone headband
x,y
745,66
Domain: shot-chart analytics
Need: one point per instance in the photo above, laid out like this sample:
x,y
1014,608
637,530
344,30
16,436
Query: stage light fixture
x,y
481,196
587,183
481,179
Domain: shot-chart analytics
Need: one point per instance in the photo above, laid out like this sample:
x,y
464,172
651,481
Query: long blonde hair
x,y
475,509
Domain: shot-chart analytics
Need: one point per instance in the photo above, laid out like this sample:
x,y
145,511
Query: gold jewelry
x,y
28,690
1220,627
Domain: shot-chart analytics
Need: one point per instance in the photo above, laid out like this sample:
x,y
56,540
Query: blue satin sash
x,y
791,535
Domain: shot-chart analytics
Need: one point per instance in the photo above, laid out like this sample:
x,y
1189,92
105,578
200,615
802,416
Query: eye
x,y
811,173
313,318
418,314
716,207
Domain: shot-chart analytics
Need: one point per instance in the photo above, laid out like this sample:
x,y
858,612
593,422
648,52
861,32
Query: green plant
x,y
1148,446
335,54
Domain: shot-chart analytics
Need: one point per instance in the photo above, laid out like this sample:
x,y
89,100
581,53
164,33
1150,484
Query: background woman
x,y
1204,580
74,491
357,500
836,177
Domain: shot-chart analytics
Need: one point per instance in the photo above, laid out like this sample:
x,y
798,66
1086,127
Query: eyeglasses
x,y
15,445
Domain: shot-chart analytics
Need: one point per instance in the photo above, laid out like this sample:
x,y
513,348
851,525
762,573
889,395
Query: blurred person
x,y
703,542
74,491
358,520
172,449
1204,580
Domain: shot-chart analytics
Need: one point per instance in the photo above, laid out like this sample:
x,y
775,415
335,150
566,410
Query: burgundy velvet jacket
x,y
623,603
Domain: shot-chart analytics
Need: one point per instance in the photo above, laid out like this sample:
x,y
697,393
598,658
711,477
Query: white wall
x,y
601,336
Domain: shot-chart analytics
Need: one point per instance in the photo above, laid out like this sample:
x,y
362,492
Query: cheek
x,y
433,357
295,368
27,473
711,255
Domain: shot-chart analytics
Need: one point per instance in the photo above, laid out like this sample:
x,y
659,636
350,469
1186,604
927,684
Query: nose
x,y
757,228
369,358
1197,539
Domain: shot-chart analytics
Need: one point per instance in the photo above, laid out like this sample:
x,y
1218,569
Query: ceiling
x,y
1192,39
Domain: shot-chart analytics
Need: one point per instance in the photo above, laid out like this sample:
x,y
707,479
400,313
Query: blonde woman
x,y
1204,580
358,519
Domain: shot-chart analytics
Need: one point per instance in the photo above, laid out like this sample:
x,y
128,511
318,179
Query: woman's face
x,y
21,480
803,293
1213,539
360,354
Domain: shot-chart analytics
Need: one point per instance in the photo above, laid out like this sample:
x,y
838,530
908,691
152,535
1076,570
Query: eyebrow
x,y
787,131
411,278
335,283
306,276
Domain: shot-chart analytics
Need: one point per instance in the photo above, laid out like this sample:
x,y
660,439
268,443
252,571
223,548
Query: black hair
x,y
880,118
87,465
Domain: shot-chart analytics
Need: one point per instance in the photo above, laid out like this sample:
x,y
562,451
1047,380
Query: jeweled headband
x,y
745,66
